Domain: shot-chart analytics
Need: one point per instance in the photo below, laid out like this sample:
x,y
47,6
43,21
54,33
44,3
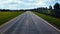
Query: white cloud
x,y
17,4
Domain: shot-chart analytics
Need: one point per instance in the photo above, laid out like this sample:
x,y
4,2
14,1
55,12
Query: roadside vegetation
x,y
49,14
52,20
6,16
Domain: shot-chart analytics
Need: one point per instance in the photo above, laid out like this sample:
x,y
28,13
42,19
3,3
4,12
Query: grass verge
x,y
6,16
53,20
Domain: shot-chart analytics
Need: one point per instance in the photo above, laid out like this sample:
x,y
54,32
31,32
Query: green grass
x,y
53,20
6,16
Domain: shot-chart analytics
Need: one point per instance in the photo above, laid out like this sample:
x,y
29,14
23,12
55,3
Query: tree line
x,y
55,11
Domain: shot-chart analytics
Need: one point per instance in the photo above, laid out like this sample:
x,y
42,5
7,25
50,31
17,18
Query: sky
x,y
26,4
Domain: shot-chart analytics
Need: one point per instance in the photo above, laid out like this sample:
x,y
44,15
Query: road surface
x,y
27,23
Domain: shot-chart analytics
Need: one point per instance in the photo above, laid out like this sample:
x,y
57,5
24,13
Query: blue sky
x,y
26,4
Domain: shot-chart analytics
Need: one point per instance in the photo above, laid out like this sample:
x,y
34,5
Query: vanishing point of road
x,y
27,23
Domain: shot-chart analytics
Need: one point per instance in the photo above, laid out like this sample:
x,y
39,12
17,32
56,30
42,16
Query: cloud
x,y
25,4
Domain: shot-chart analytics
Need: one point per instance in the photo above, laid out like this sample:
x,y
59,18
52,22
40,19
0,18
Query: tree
x,y
57,9
50,7
57,6
50,10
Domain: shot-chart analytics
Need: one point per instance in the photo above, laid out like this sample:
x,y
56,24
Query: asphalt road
x,y
27,23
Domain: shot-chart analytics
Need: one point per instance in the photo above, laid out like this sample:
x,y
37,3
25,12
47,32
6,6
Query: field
x,y
53,20
6,16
